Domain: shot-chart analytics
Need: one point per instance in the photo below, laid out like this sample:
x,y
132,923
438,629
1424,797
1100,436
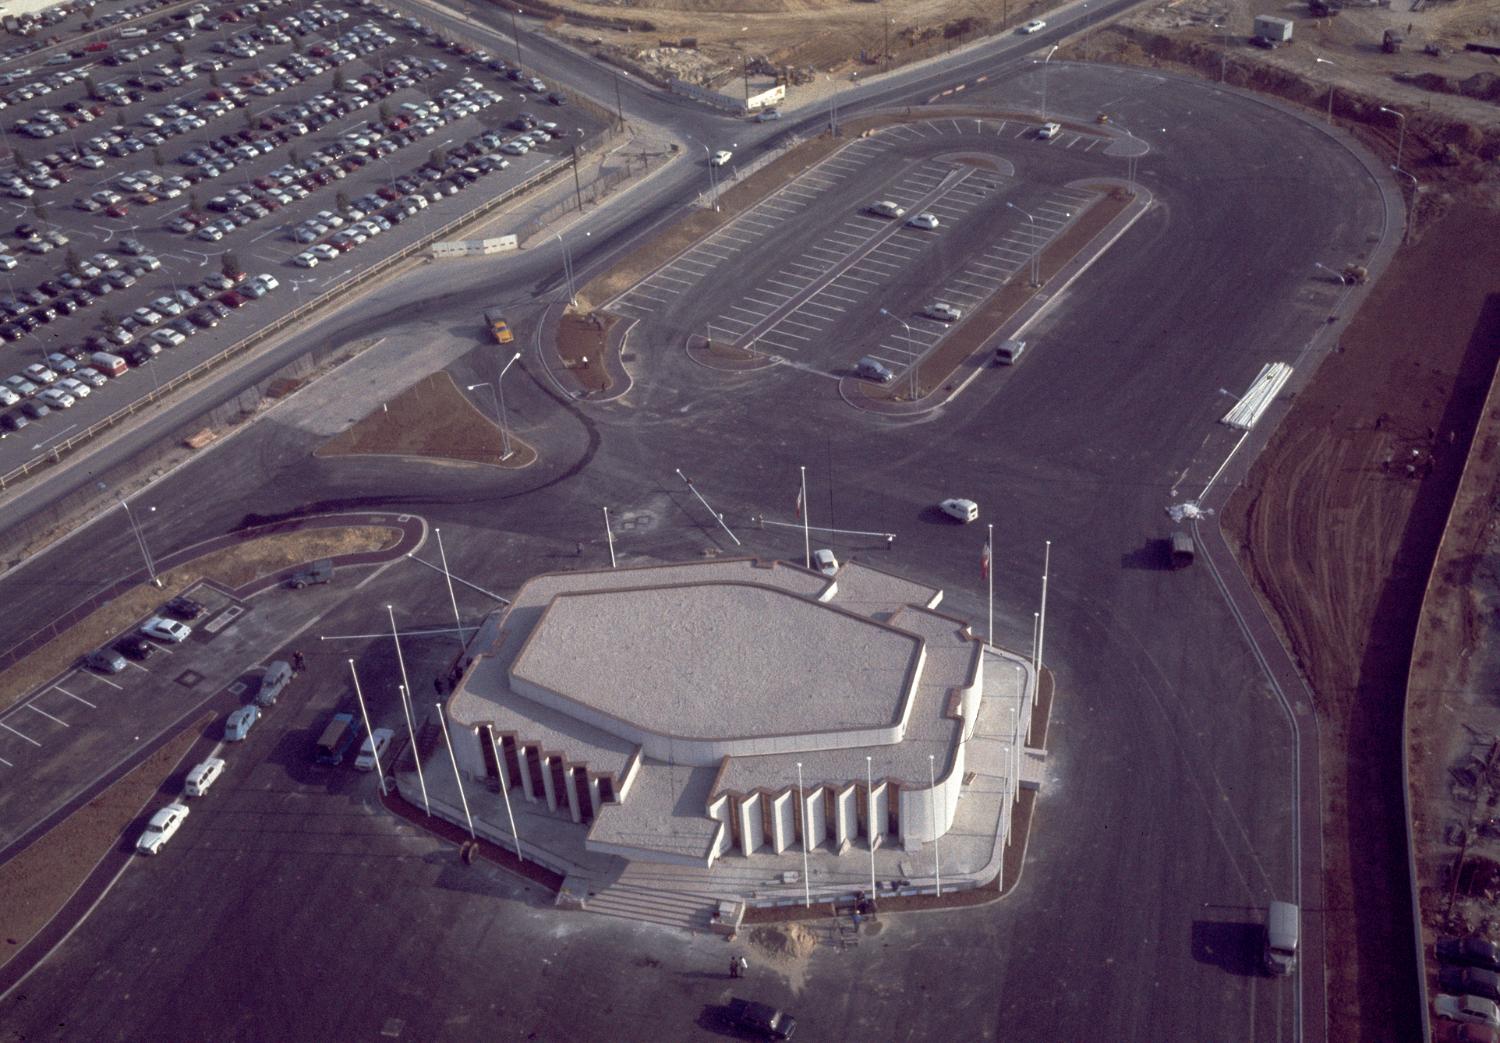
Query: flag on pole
x,y
984,561
799,502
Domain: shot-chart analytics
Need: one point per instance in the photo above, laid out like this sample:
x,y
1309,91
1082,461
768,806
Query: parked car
x,y
1472,981
163,825
273,682
183,607
825,562
203,775
105,660
1475,1010
1470,951
942,311
760,1019
134,646
171,631
375,745
238,724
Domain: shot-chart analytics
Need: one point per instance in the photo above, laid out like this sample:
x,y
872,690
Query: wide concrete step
x,y
669,909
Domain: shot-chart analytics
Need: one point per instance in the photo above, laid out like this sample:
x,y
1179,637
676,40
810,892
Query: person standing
x,y
734,967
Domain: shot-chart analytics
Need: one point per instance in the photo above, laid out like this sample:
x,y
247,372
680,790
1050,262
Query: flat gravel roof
x,y
720,660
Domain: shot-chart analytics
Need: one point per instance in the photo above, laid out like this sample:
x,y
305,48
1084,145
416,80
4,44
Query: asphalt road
x,y
1163,828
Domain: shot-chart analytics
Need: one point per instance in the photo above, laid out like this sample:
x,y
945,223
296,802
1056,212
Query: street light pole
x,y
1325,61
1044,78
713,182
1400,137
911,368
140,539
1035,249
497,394
516,32
567,269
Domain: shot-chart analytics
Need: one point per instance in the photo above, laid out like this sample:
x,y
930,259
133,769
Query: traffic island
x,y
434,420
588,351
715,354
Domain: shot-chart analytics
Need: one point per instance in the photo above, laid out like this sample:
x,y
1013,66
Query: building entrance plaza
x,y
713,730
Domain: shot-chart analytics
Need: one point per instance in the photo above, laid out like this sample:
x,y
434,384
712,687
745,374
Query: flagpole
x,y
989,571
1041,630
806,532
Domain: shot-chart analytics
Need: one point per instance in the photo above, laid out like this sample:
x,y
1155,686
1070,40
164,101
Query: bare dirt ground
x,y
713,42
434,420
231,567
1339,537
36,883
1453,719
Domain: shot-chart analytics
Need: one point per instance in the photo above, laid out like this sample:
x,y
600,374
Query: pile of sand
x,y
785,941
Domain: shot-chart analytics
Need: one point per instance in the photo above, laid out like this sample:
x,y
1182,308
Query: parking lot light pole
x,y
802,802
1325,61
516,32
1044,78
910,347
713,181
1035,249
937,859
1401,137
870,816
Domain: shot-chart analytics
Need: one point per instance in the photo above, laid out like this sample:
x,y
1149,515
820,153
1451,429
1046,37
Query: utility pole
x,y
619,107
577,185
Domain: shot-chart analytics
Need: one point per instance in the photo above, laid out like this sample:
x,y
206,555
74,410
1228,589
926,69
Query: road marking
x,y
107,681
7,763
70,695
21,734
44,713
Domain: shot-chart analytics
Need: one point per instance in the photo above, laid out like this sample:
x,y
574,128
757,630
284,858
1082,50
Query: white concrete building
x,y
668,709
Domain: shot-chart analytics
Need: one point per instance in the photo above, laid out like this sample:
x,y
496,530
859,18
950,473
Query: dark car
x,y
1471,951
105,660
13,421
761,1020
184,607
1470,981
34,409
135,646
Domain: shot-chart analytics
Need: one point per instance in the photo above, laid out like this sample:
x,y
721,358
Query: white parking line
x,y
837,296
21,734
649,297
786,333
7,763
800,325
751,311
106,681
670,278
991,267
793,286
70,695
817,304
44,713
987,287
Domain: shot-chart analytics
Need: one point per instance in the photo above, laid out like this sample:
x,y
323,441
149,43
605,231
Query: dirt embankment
x,y
1337,526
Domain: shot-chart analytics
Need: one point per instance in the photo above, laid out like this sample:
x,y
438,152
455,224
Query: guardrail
x,y
338,290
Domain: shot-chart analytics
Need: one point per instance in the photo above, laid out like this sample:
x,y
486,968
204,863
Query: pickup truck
x,y
762,1020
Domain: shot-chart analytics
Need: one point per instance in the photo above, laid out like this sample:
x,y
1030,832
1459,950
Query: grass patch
x,y
431,419
582,337
39,881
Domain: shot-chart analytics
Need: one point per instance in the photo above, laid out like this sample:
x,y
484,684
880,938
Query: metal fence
x,y
337,292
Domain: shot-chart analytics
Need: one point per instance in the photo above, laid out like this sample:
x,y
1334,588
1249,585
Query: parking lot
x,y
64,735
173,189
823,277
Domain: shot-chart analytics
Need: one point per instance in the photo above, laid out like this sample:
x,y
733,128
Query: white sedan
x,y
161,827
375,745
1036,25
172,631
305,260
942,311
721,157
924,220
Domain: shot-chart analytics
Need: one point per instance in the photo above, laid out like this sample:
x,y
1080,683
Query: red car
x,y
233,299
118,210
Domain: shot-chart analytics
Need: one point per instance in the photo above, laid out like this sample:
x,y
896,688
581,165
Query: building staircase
x,y
629,899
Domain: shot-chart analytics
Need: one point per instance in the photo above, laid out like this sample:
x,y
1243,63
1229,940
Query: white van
x,y
203,776
1281,938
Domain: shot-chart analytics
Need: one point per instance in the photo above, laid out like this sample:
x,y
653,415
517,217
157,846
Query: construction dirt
x,y
1337,526
434,420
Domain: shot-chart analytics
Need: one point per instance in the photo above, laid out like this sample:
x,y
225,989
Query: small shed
x,y
1269,27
